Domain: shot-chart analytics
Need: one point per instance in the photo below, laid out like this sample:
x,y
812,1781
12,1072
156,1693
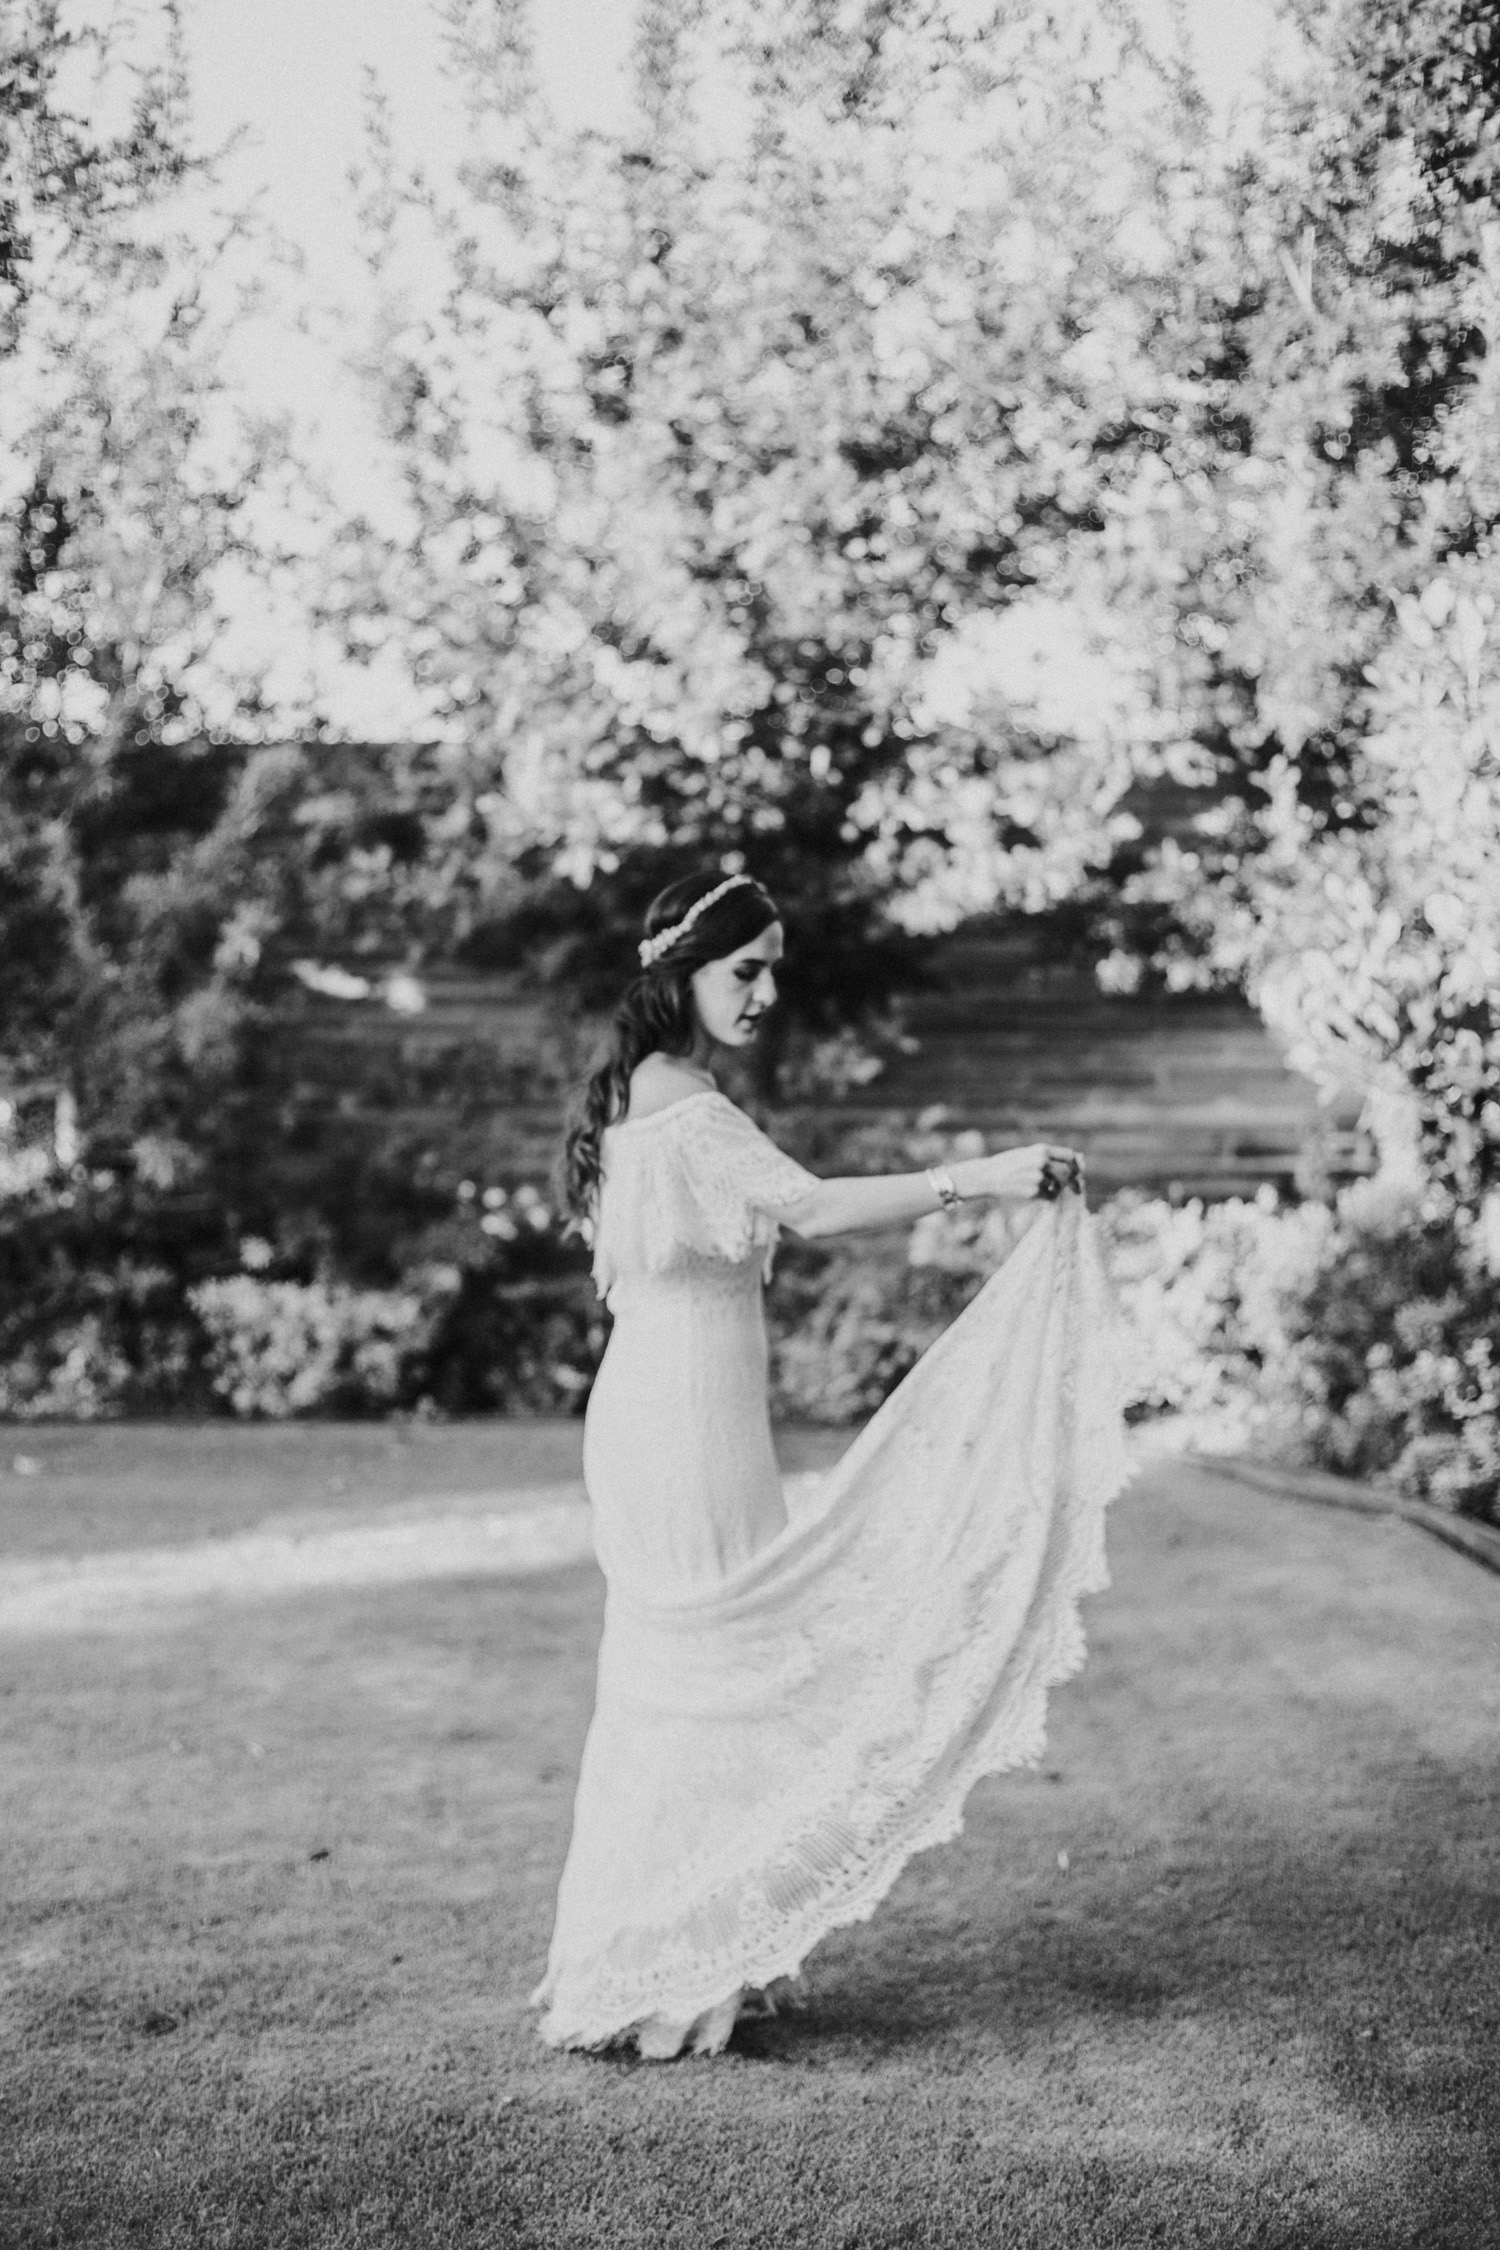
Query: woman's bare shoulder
x,y
658,1082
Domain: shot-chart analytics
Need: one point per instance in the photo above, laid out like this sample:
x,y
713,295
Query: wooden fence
x,y
1185,1095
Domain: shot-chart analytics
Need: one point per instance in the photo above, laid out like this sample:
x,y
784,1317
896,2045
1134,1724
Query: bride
x,y
789,1707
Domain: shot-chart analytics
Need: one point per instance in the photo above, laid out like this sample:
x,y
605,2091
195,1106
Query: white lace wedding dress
x,y
788,1710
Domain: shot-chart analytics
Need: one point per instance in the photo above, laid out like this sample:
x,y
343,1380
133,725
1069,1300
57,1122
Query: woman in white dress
x,y
789,1708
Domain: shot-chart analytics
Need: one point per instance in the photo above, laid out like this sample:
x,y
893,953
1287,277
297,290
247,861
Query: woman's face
x,y
732,995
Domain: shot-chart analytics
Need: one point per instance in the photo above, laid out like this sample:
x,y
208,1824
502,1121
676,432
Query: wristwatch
x,y
940,1180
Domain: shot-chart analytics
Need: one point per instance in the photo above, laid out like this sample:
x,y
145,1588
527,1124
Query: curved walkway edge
x,y
538,1529
107,1591
1476,1540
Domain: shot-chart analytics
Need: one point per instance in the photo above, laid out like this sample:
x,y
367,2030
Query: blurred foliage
x,y
846,1328
879,490
122,839
1334,581
844,957
886,490
117,1302
282,1348
94,1316
1362,1337
742,468
157,882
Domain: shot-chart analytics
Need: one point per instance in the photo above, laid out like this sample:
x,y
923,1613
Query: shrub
x,y
502,1345
516,1327
116,1300
94,1322
283,1348
494,1313
81,1375
844,1331
1393,1358
1362,1337
1203,1288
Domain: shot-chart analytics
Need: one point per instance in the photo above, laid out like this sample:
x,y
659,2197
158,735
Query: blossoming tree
x,y
1334,647
758,459
123,471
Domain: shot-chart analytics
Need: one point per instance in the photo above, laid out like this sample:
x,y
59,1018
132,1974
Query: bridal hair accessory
x,y
652,948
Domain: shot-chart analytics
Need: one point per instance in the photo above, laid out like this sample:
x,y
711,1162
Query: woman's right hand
x,y
1021,1174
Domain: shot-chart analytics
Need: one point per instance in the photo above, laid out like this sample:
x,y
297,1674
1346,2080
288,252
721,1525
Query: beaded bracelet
x,y
940,1180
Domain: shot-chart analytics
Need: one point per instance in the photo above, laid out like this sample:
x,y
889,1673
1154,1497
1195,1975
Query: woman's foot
x,y
660,2040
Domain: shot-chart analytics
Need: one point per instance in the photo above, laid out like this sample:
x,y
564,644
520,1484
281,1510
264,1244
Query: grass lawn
x,y
277,1877
82,1489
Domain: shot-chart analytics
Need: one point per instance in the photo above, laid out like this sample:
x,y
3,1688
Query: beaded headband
x,y
652,948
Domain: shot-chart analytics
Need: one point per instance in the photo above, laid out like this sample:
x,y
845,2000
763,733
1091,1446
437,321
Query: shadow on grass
x,y
1375,1978
1265,2047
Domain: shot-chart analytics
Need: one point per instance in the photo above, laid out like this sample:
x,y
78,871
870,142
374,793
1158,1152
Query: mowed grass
x,y
76,1489
277,1878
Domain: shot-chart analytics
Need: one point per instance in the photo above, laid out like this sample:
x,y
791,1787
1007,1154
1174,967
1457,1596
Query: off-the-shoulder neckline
x,y
668,1109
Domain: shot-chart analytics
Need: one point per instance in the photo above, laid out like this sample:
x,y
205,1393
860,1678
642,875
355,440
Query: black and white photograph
x,y
749,1125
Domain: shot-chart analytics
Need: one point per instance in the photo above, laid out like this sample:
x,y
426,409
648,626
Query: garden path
x,y
70,1567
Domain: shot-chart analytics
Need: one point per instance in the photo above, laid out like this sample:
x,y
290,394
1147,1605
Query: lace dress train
x,y
788,1709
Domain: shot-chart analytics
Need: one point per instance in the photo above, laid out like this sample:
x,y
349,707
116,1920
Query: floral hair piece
x,y
652,948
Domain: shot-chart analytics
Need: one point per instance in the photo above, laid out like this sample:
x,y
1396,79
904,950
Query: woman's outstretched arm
x,y
893,1199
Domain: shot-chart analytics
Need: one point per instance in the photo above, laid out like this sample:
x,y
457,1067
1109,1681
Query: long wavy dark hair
x,y
656,1014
